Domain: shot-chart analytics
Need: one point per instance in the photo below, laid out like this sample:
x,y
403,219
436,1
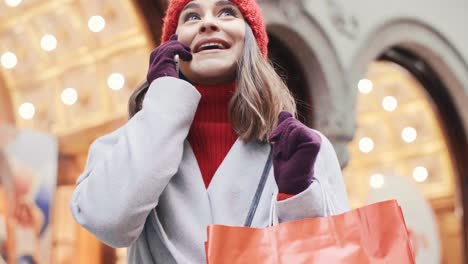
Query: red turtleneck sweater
x,y
211,135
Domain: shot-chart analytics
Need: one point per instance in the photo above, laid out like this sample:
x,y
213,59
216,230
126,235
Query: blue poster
x,y
28,167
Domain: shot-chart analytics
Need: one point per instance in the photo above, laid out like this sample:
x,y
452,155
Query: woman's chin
x,y
211,71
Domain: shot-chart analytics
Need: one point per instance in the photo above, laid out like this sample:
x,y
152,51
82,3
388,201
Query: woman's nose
x,y
209,25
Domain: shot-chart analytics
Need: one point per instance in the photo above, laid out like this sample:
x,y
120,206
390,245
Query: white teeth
x,y
221,46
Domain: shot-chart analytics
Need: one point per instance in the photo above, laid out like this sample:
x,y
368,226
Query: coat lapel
x,y
234,184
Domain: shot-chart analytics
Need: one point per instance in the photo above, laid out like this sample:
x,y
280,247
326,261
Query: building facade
x,y
387,82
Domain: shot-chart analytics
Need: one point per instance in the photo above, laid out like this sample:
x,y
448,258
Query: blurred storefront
x,y
400,135
386,82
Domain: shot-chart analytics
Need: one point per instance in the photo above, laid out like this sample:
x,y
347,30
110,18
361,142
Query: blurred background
x,y
387,82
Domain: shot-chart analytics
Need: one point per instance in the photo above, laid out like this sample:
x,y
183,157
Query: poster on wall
x,y
28,176
419,216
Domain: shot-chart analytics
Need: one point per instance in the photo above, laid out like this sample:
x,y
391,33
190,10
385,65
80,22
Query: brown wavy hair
x,y
260,95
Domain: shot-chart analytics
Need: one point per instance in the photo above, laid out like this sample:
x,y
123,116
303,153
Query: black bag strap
x,y
258,193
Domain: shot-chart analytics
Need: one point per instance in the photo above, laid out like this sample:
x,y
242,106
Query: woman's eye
x,y
228,12
191,16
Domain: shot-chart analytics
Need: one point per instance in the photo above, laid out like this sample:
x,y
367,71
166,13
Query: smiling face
x,y
214,30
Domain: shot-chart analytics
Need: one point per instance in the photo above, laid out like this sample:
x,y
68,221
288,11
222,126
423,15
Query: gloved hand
x,y
295,149
162,59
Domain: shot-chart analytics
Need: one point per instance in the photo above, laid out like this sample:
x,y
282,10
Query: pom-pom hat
x,y
249,9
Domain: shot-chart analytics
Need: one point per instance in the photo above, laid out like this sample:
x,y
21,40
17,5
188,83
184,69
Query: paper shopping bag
x,y
372,234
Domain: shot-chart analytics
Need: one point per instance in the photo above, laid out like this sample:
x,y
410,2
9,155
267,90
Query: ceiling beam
x,y
6,105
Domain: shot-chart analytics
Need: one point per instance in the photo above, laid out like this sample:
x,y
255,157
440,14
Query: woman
x,y
194,149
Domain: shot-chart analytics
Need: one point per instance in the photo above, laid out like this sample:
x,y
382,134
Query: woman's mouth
x,y
211,45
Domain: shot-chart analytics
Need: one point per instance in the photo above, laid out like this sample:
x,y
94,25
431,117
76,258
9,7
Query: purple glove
x,y
295,149
162,59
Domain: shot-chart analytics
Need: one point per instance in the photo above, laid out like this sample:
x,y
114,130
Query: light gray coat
x,y
142,187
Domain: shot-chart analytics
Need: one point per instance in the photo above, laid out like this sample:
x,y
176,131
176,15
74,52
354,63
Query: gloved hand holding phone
x,y
162,62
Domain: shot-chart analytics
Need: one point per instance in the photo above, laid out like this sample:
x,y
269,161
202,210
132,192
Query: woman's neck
x,y
214,102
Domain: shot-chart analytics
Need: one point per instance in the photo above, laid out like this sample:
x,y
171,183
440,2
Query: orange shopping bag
x,y
372,234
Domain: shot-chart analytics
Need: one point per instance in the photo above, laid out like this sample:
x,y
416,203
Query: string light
x,y
27,111
9,60
48,42
409,134
69,96
420,174
389,103
366,144
96,23
365,86
13,3
377,181
116,81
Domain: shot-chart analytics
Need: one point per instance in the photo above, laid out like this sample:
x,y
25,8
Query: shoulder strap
x,y
258,193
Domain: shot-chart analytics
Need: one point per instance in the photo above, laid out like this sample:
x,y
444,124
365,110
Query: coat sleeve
x,y
325,196
127,170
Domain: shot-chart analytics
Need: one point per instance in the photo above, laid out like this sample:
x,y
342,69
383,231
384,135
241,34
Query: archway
x,y
287,66
324,85
151,13
431,59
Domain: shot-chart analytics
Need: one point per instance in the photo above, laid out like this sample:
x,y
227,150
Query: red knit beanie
x,y
249,9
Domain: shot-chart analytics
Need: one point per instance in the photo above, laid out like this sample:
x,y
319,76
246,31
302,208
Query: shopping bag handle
x,y
260,187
